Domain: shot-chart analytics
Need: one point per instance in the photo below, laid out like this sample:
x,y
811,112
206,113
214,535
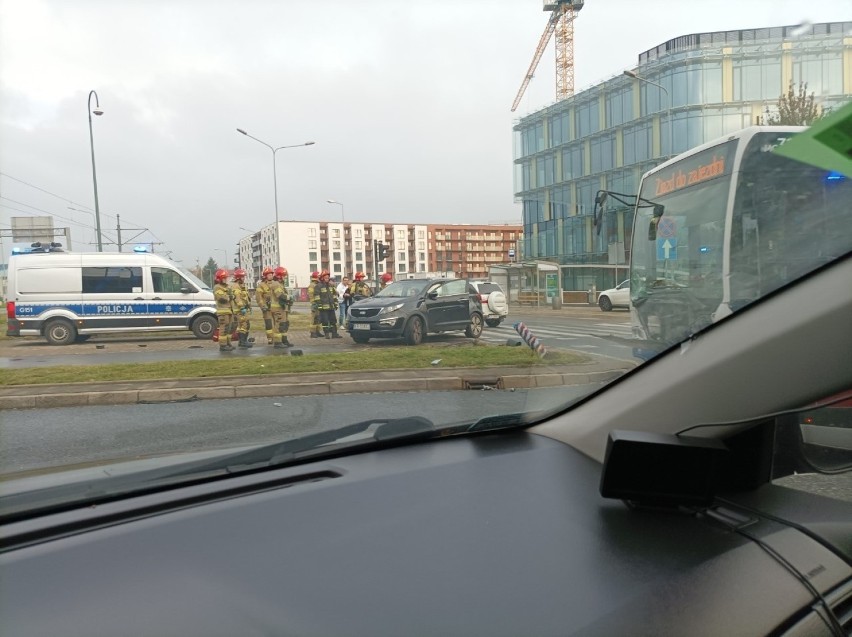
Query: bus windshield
x,y
709,240
676,263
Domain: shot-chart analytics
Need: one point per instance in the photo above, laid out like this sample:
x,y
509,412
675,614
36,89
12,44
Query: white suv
x,y
619,296
494,305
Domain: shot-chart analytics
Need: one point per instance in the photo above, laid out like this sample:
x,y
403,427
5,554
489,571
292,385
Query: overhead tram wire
x,y
65,199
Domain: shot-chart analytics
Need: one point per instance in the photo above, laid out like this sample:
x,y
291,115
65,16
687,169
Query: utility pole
x,y
118,230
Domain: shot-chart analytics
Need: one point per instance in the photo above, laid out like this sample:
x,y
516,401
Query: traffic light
x,y
381,251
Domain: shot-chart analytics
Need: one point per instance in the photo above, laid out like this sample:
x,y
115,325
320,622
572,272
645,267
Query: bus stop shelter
x,y
536,283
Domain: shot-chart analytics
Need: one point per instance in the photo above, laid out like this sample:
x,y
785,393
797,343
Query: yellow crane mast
x,y
561,23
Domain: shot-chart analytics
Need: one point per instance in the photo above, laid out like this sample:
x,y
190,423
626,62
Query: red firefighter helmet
x,y
324,274
315,275
280,273
360,276
267,270
221,275
387,277
239,274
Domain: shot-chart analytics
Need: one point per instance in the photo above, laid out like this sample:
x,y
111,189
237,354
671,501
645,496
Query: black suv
x,y
415,307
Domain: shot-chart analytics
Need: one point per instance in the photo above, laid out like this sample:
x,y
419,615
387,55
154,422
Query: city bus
x,y
724,224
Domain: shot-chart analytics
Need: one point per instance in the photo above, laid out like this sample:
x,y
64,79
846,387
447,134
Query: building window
x,y
572,163
400,267
603,154
422,256
359,245
401,257
588,118
359,267
312,256
335,232
421,245
400,234
312,232
421,234
335,245
359,256
312,244
313,267
421,267
335,256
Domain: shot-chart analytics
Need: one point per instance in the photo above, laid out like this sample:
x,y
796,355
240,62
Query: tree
x,y
209,271
795,108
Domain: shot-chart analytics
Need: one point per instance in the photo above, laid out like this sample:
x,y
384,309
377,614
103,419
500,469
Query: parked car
x,y
415,307
619,296
493,301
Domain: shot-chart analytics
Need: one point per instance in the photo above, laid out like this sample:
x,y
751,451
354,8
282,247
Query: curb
x,y
184,390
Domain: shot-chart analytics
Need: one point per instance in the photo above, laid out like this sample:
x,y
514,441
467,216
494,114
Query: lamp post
x,y
636,76
226,255
97,111
337,203
275,181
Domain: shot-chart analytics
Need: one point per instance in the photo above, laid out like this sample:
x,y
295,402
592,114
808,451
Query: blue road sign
x,y
666,248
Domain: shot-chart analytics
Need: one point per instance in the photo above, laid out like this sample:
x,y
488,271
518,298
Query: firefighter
x,y
224,296
324,300
359,289
316,332
281,304
263,296
387,279
242,308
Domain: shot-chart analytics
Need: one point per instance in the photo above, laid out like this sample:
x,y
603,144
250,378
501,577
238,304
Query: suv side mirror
x,y
432,295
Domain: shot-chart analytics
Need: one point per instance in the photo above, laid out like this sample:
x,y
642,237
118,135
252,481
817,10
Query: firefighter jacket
x,y
359,290
242,298
263,295
279,294
224,296
324,297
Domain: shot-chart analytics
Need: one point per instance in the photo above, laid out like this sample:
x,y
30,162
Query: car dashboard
x,y
501,533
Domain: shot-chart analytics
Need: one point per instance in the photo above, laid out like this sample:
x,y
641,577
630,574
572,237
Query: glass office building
x,y
606,136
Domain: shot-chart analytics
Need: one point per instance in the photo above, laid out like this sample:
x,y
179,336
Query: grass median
x,y
364,360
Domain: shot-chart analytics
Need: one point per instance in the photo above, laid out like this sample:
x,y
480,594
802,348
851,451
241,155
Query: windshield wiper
x,y
86,492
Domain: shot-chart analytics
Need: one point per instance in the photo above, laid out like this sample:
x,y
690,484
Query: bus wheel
x,y
60,332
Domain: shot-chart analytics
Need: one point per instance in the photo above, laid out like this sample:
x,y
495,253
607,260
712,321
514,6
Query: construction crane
x,y
560,22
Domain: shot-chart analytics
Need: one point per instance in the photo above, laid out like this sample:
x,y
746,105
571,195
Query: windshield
x,y
411,287
189,275
314,170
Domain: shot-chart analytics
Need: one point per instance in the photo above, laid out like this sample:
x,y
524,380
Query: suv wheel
x,y
474,330
413,333
605,304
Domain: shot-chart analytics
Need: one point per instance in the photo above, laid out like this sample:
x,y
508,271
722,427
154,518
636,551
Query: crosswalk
x,y
574,335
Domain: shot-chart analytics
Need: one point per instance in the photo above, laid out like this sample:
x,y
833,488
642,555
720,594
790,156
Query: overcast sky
x,y
408,103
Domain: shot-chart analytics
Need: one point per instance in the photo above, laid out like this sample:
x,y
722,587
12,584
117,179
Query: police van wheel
x,y
204,326
60,332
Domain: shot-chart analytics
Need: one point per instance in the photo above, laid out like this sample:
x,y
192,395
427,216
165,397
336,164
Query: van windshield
x,y
189,275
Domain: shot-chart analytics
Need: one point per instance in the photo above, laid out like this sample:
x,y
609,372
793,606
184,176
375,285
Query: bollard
x,y
530,339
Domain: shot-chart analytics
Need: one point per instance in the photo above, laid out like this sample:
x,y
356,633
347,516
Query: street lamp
x,y
636,76
226,255
337,203
275,181
97,111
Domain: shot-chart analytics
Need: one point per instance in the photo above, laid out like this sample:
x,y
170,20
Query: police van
x,y
68,296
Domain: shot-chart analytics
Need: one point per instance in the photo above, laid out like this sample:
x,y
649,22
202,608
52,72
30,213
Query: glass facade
x,y
607,136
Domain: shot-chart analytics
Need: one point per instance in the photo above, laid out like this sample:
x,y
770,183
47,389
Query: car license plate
x,y
360,326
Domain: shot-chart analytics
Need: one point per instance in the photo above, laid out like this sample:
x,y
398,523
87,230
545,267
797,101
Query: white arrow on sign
x,y
667,246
